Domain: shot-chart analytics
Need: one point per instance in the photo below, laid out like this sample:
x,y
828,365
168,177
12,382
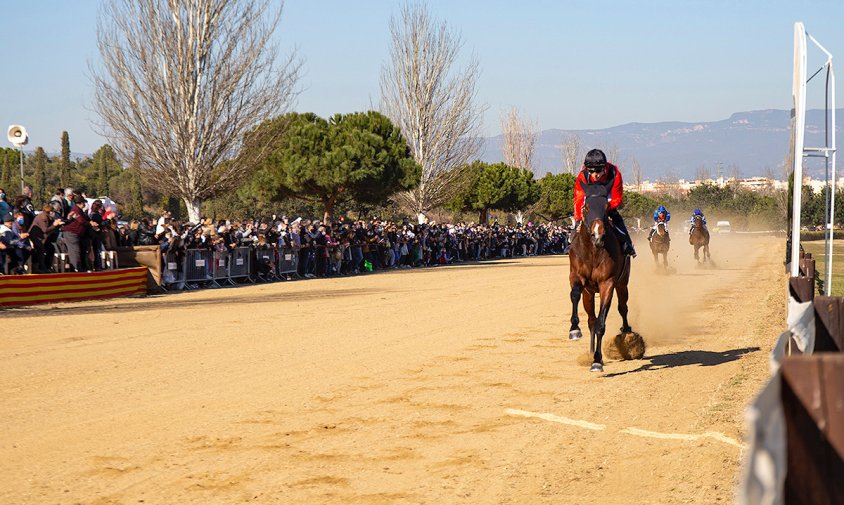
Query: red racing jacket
x,y
611,177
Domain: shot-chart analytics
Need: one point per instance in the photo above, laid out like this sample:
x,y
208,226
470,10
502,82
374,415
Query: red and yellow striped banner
x,y
53,288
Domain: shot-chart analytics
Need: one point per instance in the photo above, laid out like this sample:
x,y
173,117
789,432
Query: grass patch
x,y
820,234
817,250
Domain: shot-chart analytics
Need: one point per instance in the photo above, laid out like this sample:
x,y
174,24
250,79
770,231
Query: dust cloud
x,y
664,303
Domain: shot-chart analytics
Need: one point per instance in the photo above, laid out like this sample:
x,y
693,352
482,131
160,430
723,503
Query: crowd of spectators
x,y
344,248
70,223
83,228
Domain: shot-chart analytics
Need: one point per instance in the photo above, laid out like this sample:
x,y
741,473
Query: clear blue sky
x,y
566,64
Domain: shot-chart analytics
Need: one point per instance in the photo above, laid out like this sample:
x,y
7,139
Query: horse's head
x,y
595,209
698,219
660,228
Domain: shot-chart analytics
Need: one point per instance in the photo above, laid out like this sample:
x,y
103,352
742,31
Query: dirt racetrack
x,y
446,385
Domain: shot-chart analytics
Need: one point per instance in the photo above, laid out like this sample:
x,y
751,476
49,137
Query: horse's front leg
x,y
606,288
665,260
576,290
623,296
589,307
697,257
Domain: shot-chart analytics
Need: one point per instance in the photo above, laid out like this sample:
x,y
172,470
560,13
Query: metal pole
x,y
799,94
830,96
829,188
21,151
828,285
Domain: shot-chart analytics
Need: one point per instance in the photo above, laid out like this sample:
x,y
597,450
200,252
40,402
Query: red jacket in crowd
x,y
77,221
611,176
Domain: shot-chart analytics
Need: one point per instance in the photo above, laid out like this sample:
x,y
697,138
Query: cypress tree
x,y
103,160
64,164
39,176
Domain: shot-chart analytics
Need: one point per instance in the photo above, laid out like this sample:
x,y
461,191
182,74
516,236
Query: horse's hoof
x,y
625,329
575,335
597,367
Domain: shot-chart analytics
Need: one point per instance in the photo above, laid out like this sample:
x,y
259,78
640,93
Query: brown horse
x,y
660,243
597,265
699,237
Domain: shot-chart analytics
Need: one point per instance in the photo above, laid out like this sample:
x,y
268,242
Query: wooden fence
x,y
812,394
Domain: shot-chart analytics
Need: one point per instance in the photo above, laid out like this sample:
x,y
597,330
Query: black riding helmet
x,y
595,161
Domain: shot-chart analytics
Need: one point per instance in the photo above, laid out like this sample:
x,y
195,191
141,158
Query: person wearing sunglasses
x,y
596,170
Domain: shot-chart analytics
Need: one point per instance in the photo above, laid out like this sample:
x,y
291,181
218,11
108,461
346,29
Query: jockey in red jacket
x,y
596,170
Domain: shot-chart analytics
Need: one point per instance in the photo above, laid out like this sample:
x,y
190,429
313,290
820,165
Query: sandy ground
x,y
444,385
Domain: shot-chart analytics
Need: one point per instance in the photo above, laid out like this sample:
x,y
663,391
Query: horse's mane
x,y
592,190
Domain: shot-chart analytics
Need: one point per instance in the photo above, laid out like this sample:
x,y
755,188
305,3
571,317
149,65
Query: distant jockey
x,y
661,215
696,213
596,170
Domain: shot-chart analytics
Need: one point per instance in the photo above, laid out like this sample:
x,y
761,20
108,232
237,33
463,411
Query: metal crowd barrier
x,y
288,263
240,264
173,274
265,264
199,267
221,267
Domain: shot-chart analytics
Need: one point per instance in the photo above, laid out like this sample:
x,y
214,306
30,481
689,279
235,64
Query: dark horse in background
x,y
660,243
699,237
597,265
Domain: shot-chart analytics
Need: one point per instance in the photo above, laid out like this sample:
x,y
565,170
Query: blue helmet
x,y
661,209
698,212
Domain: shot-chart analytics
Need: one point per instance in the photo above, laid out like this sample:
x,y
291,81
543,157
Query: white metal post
x,y
830,149
828,282
798,91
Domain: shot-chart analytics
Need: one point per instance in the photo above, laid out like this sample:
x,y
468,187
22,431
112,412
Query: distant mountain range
x,y
756,142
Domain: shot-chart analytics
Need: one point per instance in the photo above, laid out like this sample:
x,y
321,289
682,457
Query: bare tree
x,y
519,145
636,172
671,183
612,152
571,151
702,173
183,83
520,138
432,101
734,173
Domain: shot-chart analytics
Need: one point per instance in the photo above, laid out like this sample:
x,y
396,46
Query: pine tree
x,y
39,176
64,164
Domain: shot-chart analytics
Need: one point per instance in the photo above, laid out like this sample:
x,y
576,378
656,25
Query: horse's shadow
x,y
685,358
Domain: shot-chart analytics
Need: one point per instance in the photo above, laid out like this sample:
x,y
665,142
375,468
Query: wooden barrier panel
x,y
812,394
829,324
807,267
143,256
801,289
52,288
